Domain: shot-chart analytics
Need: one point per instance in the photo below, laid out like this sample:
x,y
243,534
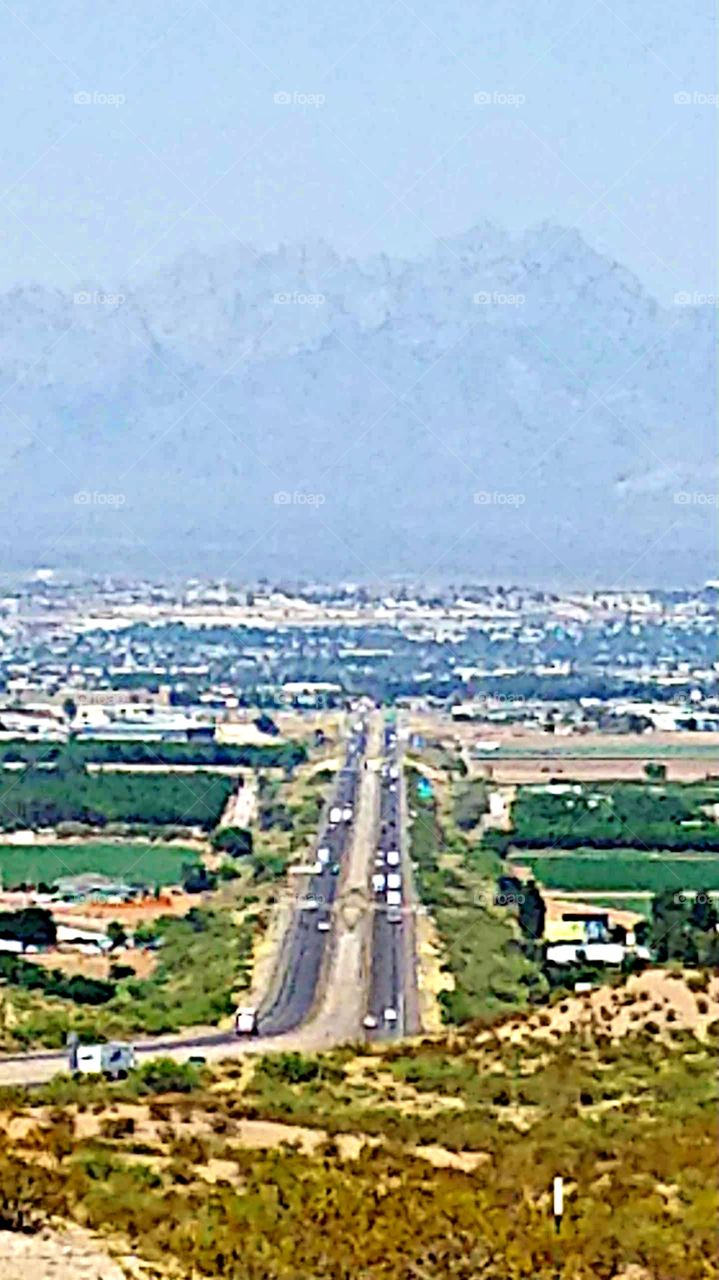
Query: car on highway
x,y
246,1021
394,899
394,880
394,916
308,904
390,1016
393,857
323,926
323,854
369,1022
335,869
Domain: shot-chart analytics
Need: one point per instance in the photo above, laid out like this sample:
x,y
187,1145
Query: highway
x,y
312,923
392,1007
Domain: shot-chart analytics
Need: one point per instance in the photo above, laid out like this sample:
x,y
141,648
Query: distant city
x,y
111,658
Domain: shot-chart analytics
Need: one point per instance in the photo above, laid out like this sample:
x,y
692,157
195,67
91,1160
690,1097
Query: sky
x,y
140,131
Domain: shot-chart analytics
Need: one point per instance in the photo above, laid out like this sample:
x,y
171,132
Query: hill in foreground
x,y
428,1159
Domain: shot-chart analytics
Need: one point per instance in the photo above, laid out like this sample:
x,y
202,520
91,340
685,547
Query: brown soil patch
x,y
659,998
65,1253
74,963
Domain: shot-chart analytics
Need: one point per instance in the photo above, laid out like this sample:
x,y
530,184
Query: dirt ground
x,y
74,963
60,1253
557,906
579,756
661,1001
586,769
129,914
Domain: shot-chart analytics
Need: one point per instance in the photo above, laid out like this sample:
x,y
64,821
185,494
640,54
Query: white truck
x,y
394,899
246,1021
335,815
111,1060
394,880
392,857
378,882
347,813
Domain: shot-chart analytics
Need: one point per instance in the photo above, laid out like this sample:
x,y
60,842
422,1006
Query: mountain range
x,y
497,409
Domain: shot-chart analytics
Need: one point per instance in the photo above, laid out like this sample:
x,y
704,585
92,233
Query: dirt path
x,y
241,808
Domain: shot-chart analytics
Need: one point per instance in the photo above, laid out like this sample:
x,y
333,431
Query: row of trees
x,y
622,815
69,793
275,755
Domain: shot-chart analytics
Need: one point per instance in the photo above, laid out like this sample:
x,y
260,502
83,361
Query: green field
x,y
132,862
622,871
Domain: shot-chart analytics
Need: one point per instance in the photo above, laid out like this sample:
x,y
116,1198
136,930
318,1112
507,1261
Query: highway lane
x,y
391,1007
311,927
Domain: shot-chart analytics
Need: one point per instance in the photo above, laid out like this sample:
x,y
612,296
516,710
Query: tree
x,y
237,841
197,879
116,934
704,915
669,925
532,912
69,708
265,724
31,926
655,772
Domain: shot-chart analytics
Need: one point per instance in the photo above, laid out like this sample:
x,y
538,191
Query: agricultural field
x,y
130,862
34,798
626,871
649,815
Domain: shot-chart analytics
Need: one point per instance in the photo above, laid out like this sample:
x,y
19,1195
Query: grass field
x,y
616,871
131,862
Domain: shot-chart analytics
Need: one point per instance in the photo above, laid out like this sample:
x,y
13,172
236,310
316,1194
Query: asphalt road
x,y
305,945
392,998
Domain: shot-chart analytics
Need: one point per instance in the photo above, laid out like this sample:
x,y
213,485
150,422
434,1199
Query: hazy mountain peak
x,y
396,389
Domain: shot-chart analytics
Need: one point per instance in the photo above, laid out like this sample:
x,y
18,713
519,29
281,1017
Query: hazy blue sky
x,y
397,152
